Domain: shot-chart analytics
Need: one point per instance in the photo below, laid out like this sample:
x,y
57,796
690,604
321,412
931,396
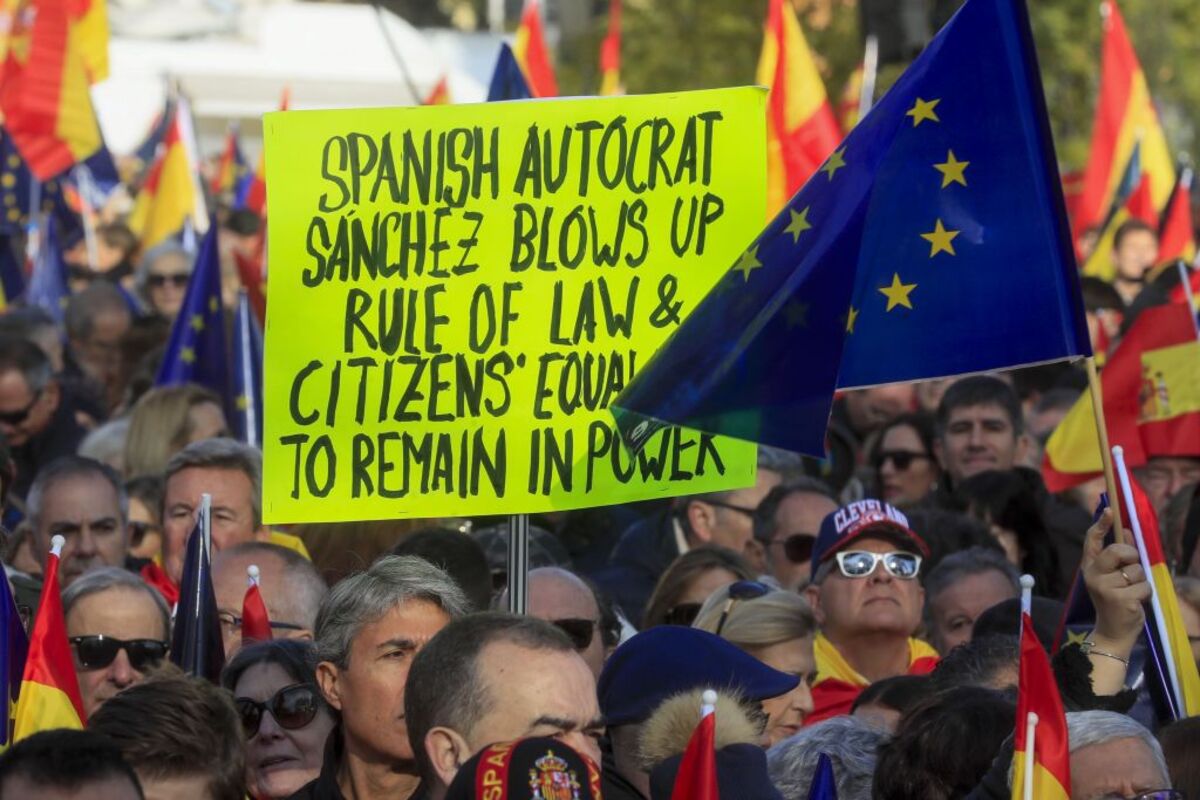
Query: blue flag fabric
x,y
508,82
15,642
20,191
246,401
933,242
823,786
147,151
47,287
197,351
12,271
196,644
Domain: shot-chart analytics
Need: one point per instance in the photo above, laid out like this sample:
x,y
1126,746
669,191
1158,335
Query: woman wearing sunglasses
x,y
689,580
283,716
902,460
163,278
777,628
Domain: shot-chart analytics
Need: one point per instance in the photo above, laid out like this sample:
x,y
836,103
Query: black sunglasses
x,y
741,590
21,414
293,707
797,548
749,512
683,614
580,631
97,652
903,459
175,279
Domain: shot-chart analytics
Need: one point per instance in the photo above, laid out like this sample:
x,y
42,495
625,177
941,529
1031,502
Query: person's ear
x,y
447,751
812,593
701,519
329,681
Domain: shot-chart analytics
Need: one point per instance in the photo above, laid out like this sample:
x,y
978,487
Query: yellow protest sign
x,y
458,292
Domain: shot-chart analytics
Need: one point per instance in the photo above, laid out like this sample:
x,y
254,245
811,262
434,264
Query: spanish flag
x,y
1040,743
1124,113
1176,236
1151,392
838,684
89,23
168,196
697,775
801,128
529,47
1132,200
49,690
610,53
44,90
254,193
439,95
1175,660
231,168
256,623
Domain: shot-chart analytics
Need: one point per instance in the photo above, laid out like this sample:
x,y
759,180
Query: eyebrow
x,y
400,643
566,724
72,525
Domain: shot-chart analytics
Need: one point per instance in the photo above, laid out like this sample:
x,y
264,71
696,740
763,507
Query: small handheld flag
x,y
196,351
824,784
256,624
529,47
196,644
15,644
508,82
49,690
246,402
697,776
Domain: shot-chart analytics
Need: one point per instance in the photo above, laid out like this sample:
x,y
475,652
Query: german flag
x,y
49,690
1124,114
801,128
1040,743
529,47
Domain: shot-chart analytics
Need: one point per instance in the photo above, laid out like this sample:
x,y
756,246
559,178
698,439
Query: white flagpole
x,y
1031,721
1144,557
252,575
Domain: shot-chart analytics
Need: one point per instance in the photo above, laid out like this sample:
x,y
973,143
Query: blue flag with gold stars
x,y
197,351
20,192
508,82
47,287
246,403
933,242
15,645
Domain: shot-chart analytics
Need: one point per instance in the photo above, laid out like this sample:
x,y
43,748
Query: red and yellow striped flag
x,y
529,47
255,197
168,197
1037,693
1176,236
44,90
439,95
49,689
610,53
89,22
1125,114
801,128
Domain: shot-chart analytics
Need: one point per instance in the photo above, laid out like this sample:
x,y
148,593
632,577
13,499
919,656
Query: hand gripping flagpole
x,y
518,563
1031,719
1160,622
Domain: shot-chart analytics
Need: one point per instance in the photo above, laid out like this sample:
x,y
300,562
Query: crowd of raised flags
x,y
890,257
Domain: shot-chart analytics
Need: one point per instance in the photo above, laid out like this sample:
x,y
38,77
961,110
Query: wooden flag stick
x,y
1110,482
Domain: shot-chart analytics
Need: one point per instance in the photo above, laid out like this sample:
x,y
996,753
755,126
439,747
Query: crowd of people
x,y
863,607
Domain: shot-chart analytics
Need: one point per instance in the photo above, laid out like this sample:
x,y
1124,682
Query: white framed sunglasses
x,y
861,563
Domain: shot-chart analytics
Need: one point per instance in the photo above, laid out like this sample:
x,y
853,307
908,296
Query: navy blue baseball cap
x,y
861,518
666,660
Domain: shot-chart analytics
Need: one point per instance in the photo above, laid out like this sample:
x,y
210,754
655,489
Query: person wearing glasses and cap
x,y
867,601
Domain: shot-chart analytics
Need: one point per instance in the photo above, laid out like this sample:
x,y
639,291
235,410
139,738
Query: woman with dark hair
x,y
1006,502
689,580
284,718
902,460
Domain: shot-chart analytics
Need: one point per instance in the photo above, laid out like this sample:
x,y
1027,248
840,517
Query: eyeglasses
x,y
177,279
683,614
861,563
749,512
234,621
97,652
580,631
903,459
797,548
293,707
741,590
21,414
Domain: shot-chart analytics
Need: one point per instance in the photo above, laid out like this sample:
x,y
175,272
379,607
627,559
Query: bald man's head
x,y
290,585
560,596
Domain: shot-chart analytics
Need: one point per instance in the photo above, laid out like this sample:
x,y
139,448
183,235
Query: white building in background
x,y
233,60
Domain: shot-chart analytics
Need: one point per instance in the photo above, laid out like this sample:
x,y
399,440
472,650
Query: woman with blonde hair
x,y
778,629
167,419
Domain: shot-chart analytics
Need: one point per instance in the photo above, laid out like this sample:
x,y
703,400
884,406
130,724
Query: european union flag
x,y
196,644
932,242
824,785
246,403
21,194
197,351
48,278
508,82
15,644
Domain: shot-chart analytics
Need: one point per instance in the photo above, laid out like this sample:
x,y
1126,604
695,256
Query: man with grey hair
x,y
291,587
497,677
851,744
36,418
961,587
96,320
84,501
369,628
229,471
118,627
1112,755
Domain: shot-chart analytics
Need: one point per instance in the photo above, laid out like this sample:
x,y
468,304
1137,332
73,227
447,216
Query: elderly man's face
x,y
24,413
99,353
1116,768
730,523
369,690
953,611
117,613
876,603
230,582
1163,476
556,595
232,511
799,514
86,511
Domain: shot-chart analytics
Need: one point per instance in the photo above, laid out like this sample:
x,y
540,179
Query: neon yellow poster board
x,y
458,292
